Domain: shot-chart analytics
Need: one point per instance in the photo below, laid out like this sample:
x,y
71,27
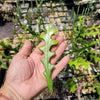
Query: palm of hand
x,y
25,74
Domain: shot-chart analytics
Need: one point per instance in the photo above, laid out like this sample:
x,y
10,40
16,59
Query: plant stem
x,y
78,50
38,4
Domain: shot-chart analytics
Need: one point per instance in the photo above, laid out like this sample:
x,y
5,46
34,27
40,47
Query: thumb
x,y
25,50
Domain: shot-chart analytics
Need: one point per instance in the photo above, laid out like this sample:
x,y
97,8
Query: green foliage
x,y
6,48
38,4
94,56
70,85
92,31
84,50
82,44
6,44
79,62
48,54
97,87
2,64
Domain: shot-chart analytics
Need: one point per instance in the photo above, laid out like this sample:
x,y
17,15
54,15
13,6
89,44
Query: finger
x,y
41,44
60,66
59,52
60,39
26,48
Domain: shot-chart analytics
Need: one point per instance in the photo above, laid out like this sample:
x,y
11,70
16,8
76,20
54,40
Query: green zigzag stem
x,y
48,54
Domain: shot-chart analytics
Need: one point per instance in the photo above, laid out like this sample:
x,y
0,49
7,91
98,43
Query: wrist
x,y
10,93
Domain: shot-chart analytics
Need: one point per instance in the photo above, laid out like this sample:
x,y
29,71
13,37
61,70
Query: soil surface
x,y
6,30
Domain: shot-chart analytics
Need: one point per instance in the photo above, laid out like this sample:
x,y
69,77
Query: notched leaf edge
x,y
48,54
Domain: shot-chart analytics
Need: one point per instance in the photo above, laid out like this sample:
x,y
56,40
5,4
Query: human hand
x,y
25,77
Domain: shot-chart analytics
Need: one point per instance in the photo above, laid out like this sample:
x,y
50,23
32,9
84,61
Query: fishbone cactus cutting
x,y
48,54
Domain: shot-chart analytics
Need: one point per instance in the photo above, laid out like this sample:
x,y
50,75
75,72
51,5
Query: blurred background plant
x,y
84,50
